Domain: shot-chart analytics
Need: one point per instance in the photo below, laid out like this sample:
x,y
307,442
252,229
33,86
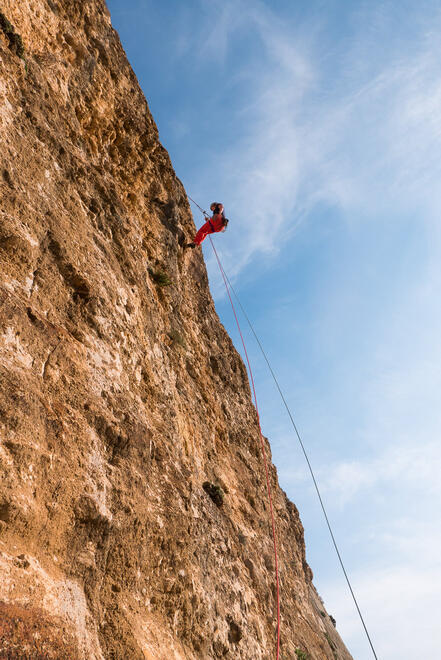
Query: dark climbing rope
x,y
268,486
229,286
199,207
227,281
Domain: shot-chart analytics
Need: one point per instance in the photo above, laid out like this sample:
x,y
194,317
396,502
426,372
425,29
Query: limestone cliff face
x,y
120,391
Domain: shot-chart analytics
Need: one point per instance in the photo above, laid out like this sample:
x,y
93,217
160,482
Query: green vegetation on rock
x,y
160,277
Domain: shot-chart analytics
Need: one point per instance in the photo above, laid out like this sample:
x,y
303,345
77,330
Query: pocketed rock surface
x,y
119,397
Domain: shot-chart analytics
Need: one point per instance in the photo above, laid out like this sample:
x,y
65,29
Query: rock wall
x,y
121,394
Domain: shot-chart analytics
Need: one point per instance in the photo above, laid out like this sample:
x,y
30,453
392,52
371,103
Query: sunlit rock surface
x,y
120,392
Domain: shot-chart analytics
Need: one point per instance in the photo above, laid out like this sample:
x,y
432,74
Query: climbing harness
x,y
229,286
208,218
268,486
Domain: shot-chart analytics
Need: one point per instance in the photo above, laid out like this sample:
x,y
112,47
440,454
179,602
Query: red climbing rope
x,y
268,486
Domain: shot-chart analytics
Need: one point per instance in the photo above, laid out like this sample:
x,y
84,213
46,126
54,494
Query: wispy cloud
x,y
415,469
401,609
359,131
333,122
311,133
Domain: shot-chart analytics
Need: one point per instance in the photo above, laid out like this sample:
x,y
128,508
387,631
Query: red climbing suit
x,y
213,225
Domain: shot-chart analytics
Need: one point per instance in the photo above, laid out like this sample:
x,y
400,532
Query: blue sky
x,y
319,126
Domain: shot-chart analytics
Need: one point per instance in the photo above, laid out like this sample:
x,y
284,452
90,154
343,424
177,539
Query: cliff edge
x,y
121,394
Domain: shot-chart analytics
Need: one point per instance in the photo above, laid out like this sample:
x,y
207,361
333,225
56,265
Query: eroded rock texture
x,y
121,393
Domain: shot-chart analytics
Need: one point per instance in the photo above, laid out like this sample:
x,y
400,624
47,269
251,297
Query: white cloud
x,y
370,144
400,607
401,468
365,138
385,505
350,121
223,21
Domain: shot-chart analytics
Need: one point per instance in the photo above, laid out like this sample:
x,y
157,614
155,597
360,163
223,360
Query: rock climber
x,y
218,222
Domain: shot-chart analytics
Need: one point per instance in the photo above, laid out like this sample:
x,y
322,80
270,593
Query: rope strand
x,y
199,207
307,461
229,287
268,486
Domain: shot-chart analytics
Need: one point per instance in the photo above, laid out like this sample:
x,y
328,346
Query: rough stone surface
x,y
120,398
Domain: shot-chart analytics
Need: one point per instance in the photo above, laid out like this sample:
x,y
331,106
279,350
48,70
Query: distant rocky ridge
x,y
133,512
